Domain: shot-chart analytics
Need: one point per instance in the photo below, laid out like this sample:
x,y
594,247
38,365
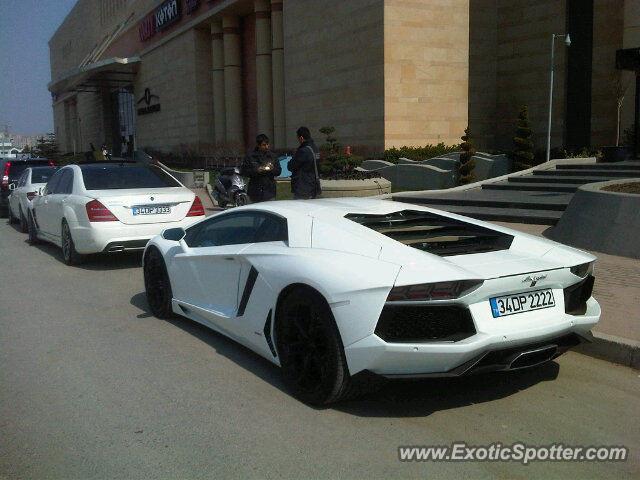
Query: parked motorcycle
x,y
230,188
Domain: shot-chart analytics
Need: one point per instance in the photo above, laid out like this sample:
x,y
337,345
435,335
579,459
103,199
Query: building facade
x,y
175,73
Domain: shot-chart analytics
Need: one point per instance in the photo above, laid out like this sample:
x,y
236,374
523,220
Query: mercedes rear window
x,y
17,167
434,233
42,174
124,176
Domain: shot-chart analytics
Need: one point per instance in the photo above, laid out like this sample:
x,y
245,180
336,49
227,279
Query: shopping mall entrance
x,y
123,122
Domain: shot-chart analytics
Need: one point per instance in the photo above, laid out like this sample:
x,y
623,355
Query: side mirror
x,y
174,234
12,186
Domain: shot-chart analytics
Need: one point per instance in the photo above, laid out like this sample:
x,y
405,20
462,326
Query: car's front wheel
x,y
24,226
310,349
32,229
157,284
69,252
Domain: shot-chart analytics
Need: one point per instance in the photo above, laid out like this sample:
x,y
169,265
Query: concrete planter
x,y
606,222
355,188
615,154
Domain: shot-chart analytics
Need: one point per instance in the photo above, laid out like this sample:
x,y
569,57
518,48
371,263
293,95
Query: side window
x,y
66,183
52,184
235,229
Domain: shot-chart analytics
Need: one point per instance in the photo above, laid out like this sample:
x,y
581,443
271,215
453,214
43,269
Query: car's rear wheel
x,y
310,349
157,284
32,230
24,226
69,252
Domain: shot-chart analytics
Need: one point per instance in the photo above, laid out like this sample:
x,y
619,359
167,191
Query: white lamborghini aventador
x,y
334,291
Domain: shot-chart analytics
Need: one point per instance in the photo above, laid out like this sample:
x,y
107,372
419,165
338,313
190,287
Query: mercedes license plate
x,y
153,210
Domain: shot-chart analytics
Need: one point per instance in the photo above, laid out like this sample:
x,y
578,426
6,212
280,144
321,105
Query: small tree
x,y
523,156
619,90
331,143
467,163
47,147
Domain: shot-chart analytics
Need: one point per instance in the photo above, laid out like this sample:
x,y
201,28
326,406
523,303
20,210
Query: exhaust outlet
x,y
531,358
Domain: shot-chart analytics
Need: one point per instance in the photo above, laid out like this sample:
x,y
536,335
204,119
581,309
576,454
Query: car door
x,y
207,275
16,195
57,201
42,210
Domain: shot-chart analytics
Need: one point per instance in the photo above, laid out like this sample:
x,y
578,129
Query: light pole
x,y
567,42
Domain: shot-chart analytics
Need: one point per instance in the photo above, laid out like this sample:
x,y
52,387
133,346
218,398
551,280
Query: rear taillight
x,y
97,212
52,163
32,195
433,291
196,210
5,176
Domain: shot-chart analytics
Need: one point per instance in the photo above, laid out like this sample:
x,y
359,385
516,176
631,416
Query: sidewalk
x,y
617,289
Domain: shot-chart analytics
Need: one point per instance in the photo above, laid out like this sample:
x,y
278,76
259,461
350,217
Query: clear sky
x,y
25,29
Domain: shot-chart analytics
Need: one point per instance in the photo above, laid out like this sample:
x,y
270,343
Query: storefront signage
x,y
162,17
149,106
167,13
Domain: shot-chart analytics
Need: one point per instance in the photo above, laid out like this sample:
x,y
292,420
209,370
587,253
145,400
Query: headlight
x,y
583,269
433,291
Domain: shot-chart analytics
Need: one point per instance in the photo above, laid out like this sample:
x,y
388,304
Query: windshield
x,y
125,176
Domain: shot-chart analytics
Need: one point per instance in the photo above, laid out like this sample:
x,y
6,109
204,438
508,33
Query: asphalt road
x,y
93,386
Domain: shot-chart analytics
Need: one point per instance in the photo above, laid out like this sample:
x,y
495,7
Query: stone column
x,y
233,79
277,63
264,87
219,115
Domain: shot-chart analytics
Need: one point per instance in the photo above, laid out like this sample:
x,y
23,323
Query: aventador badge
x,y
534,279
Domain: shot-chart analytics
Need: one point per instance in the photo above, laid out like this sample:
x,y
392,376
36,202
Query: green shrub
x,y
523,156
467,163
418,153
337,165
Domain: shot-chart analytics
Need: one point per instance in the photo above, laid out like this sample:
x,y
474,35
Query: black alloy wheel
x,y
69,253
157,284
310,349
24,226
32,230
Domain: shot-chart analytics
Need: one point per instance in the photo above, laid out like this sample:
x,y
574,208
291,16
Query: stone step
x,y
576,180
542,187
607,174
601,166
536,200
515,215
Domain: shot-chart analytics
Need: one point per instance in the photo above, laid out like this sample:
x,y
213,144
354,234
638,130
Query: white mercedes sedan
x,y
30,184
109,207
341,291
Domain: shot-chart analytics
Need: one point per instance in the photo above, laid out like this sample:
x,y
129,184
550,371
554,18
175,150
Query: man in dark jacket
x,y
262,167
304,167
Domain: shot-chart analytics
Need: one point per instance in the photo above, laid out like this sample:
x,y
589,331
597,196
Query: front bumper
x,y
458,357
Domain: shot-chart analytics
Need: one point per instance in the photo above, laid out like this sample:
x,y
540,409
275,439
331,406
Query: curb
x,y
613,349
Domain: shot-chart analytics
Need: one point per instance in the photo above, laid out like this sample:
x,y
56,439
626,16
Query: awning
x,y
110,72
